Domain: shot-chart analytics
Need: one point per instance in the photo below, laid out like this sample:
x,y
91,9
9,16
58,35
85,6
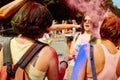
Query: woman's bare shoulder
x,y
47,57
49,52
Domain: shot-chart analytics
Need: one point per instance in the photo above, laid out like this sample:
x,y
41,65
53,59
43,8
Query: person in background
x,y
74,29
106,54
81,37
70,33
30,23
85,34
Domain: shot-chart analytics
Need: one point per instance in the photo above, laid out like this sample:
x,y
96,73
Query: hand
x,y
69,57
78,26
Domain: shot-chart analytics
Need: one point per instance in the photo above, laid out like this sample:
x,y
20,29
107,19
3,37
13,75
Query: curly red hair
x,y
110,29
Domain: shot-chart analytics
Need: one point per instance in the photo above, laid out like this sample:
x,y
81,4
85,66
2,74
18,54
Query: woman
x,y
31,22
80,38
85,34
106,55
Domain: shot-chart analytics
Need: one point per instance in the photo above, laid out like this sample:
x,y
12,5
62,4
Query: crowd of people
x,y
31,20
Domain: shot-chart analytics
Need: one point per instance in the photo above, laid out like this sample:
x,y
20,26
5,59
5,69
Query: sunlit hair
x,y
110,29
32,20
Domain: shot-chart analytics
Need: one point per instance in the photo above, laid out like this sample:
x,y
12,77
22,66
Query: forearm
x,y
62,70
64,65
63,26
10,8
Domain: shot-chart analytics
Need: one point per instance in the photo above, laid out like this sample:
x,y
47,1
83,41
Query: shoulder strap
x,y
77,36
7,60
26,58
92,62
30,53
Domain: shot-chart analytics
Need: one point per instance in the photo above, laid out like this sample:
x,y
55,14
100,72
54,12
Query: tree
x,y
113,8
59,9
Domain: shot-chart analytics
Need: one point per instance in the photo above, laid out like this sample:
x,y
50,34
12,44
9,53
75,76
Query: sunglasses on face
x,y
87,20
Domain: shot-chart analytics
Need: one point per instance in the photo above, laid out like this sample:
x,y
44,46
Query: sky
x,y
117,3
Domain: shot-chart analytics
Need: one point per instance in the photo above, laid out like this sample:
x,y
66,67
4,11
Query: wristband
x,y
65,63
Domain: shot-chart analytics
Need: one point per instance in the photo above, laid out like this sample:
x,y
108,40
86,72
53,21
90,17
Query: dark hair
x,y
82,24
110,29
32,20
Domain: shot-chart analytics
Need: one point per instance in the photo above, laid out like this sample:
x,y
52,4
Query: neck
x,y
109,45
25,39
107,42
88,32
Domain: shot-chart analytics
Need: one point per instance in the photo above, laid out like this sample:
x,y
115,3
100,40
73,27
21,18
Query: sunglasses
x,y
87,20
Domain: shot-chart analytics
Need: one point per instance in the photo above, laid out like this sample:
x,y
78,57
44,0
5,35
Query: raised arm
x,y
63,26
72,48
10,8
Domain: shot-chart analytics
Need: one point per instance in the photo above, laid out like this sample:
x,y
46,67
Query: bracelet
x,y
64,62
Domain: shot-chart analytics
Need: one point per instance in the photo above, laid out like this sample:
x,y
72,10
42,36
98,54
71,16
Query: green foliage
x,y
60,11
115,9
48,2
55,6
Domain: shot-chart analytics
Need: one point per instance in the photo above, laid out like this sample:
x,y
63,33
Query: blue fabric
x,y
79,62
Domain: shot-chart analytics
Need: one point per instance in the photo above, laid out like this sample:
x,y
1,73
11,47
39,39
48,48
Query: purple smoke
x,y
92,8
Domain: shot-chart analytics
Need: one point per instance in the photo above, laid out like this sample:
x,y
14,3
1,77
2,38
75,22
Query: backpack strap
x,y
30,53
77,36
7,60
92,62
26,58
